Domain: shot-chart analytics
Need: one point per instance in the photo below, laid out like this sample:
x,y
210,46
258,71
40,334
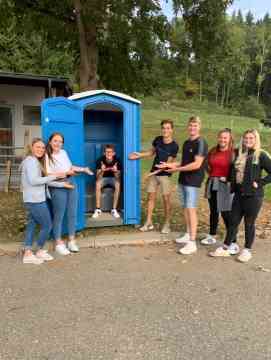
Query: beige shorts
x,y
154,183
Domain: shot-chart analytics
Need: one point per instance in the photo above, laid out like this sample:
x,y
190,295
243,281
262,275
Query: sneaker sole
x,y
212,255
33,263
190,253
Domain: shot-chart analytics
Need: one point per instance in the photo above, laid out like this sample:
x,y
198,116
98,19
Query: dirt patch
x,y
13,218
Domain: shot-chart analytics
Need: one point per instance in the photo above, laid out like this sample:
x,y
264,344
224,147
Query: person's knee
x,y
98,184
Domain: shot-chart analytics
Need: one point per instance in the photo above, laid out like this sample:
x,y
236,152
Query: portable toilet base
x,y
105,219
88,121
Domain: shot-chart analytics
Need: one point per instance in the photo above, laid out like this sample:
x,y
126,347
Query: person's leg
x,y
187,220
226,216
252,207
193,223
150,207
152,191
234,220
191,207
30,229
41,216
183,199
192,194
167,208
98,191
72,206
165,187
214,215
117,191
59,199
210,239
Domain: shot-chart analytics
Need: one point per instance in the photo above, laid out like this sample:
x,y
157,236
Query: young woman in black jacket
x,y
248,187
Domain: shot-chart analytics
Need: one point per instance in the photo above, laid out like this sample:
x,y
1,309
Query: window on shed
x,y
31,115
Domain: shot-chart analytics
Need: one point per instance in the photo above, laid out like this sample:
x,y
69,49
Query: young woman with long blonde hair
x,y
34,180
248,187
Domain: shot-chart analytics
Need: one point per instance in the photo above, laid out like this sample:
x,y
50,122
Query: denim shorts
x,y
189,196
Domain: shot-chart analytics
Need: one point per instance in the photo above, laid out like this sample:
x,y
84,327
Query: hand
x,y
255,185
162,165
103,167
223,179
88,171
115,168
60,175
70,172
68,185
170,171
134,155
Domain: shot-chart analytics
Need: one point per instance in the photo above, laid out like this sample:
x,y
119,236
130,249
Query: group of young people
x,y
234,188
50,194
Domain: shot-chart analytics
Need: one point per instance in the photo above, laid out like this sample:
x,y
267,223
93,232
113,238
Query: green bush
x,y
251,108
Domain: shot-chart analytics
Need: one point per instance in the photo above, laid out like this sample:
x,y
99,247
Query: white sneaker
x,y
146,227
220,252
189,248
165,229
115,213
32,259
208,240
234,249
62,250
183,239
43,254
97,213
72,246
245,255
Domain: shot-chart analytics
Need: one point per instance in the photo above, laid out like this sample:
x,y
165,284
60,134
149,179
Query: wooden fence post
x,y
8,175
26,140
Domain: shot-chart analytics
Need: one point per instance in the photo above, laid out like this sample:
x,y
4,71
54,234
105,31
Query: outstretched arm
x,y
139,155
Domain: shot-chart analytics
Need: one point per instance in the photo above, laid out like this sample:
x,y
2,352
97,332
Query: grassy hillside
x,y
212,123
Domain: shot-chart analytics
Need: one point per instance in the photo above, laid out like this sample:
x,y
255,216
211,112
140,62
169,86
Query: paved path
x,y
137,303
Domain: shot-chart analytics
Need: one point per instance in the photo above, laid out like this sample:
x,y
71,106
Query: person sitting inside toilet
x,y
108,173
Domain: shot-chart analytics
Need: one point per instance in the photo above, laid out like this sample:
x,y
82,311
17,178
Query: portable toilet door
x,y
64,116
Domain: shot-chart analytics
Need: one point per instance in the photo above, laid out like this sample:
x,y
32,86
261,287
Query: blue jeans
x,y
64,202
189,196
38,214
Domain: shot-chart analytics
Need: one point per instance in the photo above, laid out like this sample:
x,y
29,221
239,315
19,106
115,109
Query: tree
x,y
92,25
249,18
205,23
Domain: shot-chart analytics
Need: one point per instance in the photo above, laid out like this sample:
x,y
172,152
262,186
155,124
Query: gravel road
x,y
137,303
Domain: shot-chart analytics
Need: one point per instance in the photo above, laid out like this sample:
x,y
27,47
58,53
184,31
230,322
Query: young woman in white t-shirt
x,y
64,195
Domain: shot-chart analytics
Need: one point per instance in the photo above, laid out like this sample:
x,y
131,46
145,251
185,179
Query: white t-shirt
x,y
60,163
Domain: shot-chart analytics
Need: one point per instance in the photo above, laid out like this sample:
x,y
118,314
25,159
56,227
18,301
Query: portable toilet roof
x,y
90,93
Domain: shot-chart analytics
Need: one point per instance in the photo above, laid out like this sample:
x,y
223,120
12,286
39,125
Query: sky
x,y
258,7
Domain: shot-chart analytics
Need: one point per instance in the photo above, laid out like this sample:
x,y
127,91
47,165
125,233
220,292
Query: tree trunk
x,y
200,88
223,95
88,51
228,93
217,93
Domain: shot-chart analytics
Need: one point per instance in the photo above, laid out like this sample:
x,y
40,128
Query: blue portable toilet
x,y
88,121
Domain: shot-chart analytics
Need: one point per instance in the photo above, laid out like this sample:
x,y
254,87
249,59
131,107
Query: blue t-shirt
x,y
163,152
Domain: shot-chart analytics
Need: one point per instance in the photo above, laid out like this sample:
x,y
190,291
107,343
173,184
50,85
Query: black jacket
x,y
253,172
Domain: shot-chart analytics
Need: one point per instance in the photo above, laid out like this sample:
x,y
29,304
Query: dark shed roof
x,y
45,81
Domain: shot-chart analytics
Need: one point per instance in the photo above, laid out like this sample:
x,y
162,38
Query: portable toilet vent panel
x,y
89,121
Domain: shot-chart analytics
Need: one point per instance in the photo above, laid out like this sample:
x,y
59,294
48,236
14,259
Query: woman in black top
x,y
248,185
